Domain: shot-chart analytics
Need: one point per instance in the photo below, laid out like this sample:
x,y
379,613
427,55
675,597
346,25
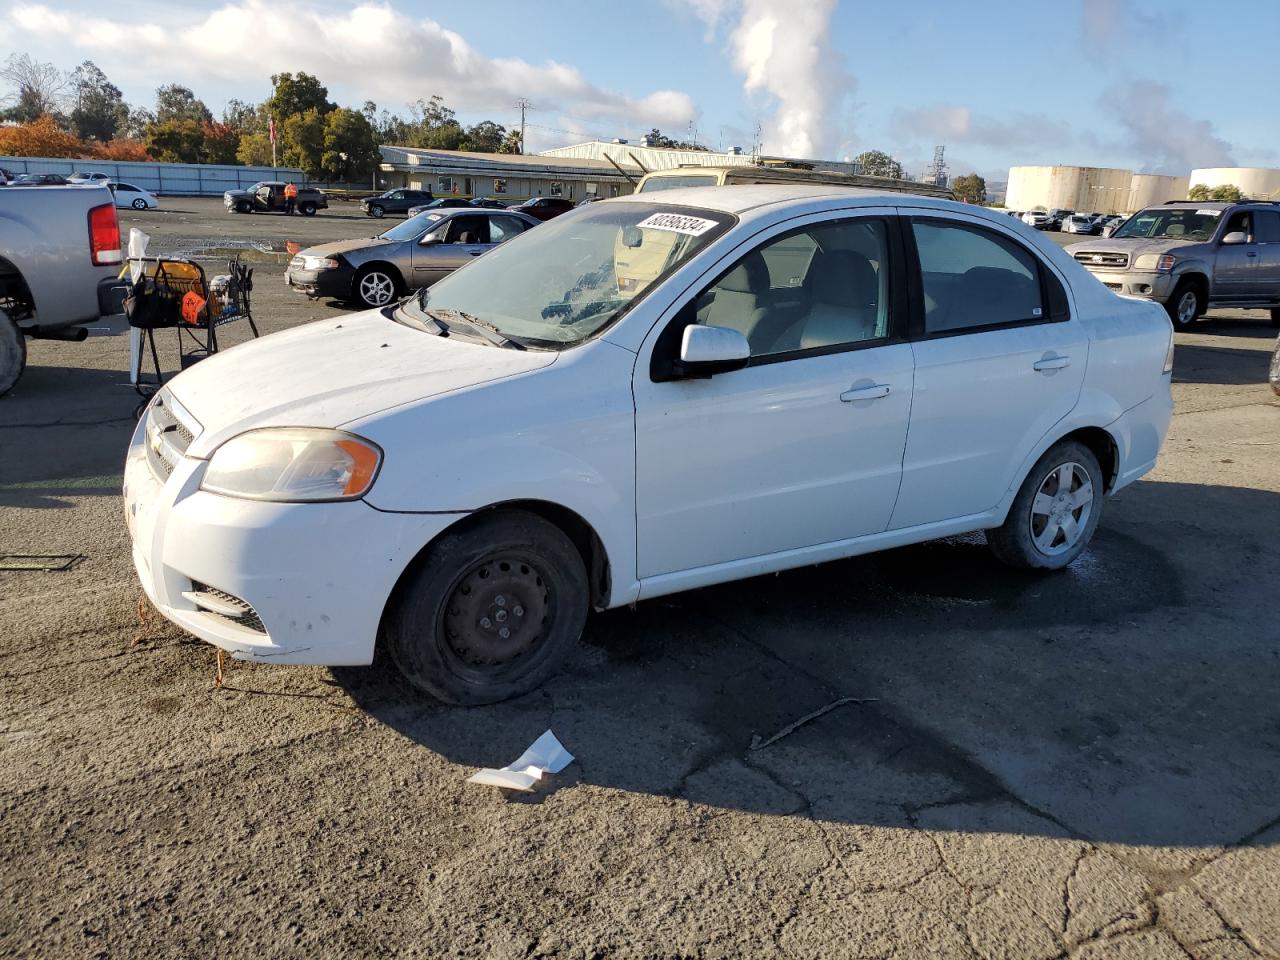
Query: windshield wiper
x,y
486,330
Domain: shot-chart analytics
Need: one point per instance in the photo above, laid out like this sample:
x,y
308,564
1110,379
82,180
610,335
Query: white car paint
x,y
685,482
128,195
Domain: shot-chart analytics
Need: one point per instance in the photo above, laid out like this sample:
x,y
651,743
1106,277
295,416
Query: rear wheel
x,y
308,209
376,287
1186,304
1275,316
376,211
490,611
139,204
1055,513
13,353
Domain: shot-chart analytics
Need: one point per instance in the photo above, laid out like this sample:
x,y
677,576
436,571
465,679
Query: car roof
x,y
739,198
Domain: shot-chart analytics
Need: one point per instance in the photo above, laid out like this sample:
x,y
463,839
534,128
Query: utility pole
x,y
524,105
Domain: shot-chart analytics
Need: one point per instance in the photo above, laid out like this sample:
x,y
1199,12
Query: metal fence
x,y
172,179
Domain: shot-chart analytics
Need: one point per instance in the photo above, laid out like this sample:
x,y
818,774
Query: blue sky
x,y
1145,85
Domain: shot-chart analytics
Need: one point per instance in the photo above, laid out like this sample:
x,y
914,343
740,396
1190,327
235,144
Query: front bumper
x,y
1137,283
316,576
335,284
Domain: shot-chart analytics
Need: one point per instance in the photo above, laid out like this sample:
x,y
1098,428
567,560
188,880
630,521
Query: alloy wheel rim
x,y
1187,307
496,617
1061,509
376,289
139,204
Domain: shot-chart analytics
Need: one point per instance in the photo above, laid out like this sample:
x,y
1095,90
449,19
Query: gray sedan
x,y
412,254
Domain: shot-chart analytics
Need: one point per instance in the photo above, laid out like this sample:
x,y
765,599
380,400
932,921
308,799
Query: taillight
x,y
104,236
1168,355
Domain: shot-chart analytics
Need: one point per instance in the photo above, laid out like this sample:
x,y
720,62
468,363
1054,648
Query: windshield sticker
x,y
1209,213
677,223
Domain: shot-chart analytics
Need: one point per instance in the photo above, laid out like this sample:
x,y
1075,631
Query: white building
x,y
665,158
1257,183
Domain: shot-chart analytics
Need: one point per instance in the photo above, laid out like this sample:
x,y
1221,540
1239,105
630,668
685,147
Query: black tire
x,y
376,286
1019,541
507,567
1187,297
376,211
308,209
13,353
139,204
244,206
1275,316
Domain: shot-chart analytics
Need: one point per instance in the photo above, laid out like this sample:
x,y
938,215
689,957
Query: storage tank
x,y
1151,189
1257,183
1083,189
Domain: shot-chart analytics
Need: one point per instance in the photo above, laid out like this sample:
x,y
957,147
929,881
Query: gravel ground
x,y
1082,765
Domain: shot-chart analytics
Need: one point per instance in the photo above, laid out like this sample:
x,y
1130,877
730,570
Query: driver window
x,y
825,286
1240,223
468,229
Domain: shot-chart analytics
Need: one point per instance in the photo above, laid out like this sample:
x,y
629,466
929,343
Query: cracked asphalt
x,y
1083,765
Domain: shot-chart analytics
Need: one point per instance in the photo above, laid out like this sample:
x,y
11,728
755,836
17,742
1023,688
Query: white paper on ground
x,y
545,755
137,249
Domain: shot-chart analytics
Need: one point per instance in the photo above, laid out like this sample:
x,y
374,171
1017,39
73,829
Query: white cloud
x,y
949,123
369,51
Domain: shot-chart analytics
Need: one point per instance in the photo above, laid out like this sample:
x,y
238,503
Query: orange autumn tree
x,y
40,138
134,150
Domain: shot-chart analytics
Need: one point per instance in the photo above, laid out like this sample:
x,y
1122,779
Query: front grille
x,y
245,617
167,435
1104,259
1114,286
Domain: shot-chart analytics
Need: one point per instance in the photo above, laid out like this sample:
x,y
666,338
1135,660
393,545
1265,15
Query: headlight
x,y
319,263
293,464
1160,262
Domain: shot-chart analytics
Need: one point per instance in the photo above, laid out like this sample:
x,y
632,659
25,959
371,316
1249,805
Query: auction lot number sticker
x,y
677,223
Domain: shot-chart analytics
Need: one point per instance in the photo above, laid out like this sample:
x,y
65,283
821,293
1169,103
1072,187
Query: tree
x,y
877,163
1228,192
175,102
350,148
40,138
221,141
293,95
485,137
133,122
99,105
38,88
656,138
121,150
970,189
176,141
254,150
302,142
241,116
510,143
387,127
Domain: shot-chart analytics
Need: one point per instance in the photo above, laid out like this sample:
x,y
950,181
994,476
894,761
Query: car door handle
x,y
866,393
1051,363
1251,253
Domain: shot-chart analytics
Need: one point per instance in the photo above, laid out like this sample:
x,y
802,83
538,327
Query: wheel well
x,y
1103,446
1199,281
15,295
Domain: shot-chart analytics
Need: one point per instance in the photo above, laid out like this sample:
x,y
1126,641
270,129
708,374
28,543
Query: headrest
x,y
749,276
844,278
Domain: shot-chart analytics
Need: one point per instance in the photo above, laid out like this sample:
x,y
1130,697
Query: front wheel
x,y
490,611
1185,305
1055,512
13,353
377,212
244,206
375,287
139,204
1275,316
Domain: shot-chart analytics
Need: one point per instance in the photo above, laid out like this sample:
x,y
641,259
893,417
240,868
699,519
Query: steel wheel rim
x,y
1187,307
496,618
1061,509
376,289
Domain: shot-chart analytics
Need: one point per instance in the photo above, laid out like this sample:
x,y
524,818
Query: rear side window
x,y
1267,225
504,228
973,278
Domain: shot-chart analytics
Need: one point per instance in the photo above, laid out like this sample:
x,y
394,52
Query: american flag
x,y
272,127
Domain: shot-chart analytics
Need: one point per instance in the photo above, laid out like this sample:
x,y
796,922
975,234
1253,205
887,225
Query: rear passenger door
x,y
999,359
1267,227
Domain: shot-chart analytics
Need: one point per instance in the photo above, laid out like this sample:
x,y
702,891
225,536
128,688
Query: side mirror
x,y
1234,237
428,240
709,350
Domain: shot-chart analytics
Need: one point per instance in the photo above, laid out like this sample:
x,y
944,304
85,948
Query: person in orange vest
x,y
290,196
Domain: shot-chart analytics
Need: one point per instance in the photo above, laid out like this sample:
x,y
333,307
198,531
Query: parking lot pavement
x,y
1080,764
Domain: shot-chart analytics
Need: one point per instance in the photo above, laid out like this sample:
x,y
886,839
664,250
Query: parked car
x,y
410,255
441,203
267,196
493,203
1077,223
60,254
1057,217
1036,218
91,177
1111,225
661,392
39,180
544,208
394,201
127,195
1192,255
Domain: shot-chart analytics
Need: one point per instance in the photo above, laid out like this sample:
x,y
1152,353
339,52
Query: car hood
x,y
343,246
1133,247
331,372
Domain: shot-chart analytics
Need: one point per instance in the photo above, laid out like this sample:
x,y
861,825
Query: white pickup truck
x,y
60,254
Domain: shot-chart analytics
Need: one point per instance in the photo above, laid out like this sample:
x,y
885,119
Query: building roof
x,y
667,158
503,164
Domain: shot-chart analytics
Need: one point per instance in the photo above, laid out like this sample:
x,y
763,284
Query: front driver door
x,y
803,446
1235,265
464,237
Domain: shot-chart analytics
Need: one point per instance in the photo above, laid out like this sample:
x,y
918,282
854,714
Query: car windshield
x,y
673,183
573,276
1170,224
412,228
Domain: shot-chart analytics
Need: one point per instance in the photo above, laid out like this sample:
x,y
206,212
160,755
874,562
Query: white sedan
x,y
648,394
127,195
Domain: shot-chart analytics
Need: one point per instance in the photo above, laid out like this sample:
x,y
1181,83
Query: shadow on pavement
x,y
1210,363
1109,701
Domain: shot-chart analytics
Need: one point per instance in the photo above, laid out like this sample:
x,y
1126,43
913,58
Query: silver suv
x,y
1191,255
